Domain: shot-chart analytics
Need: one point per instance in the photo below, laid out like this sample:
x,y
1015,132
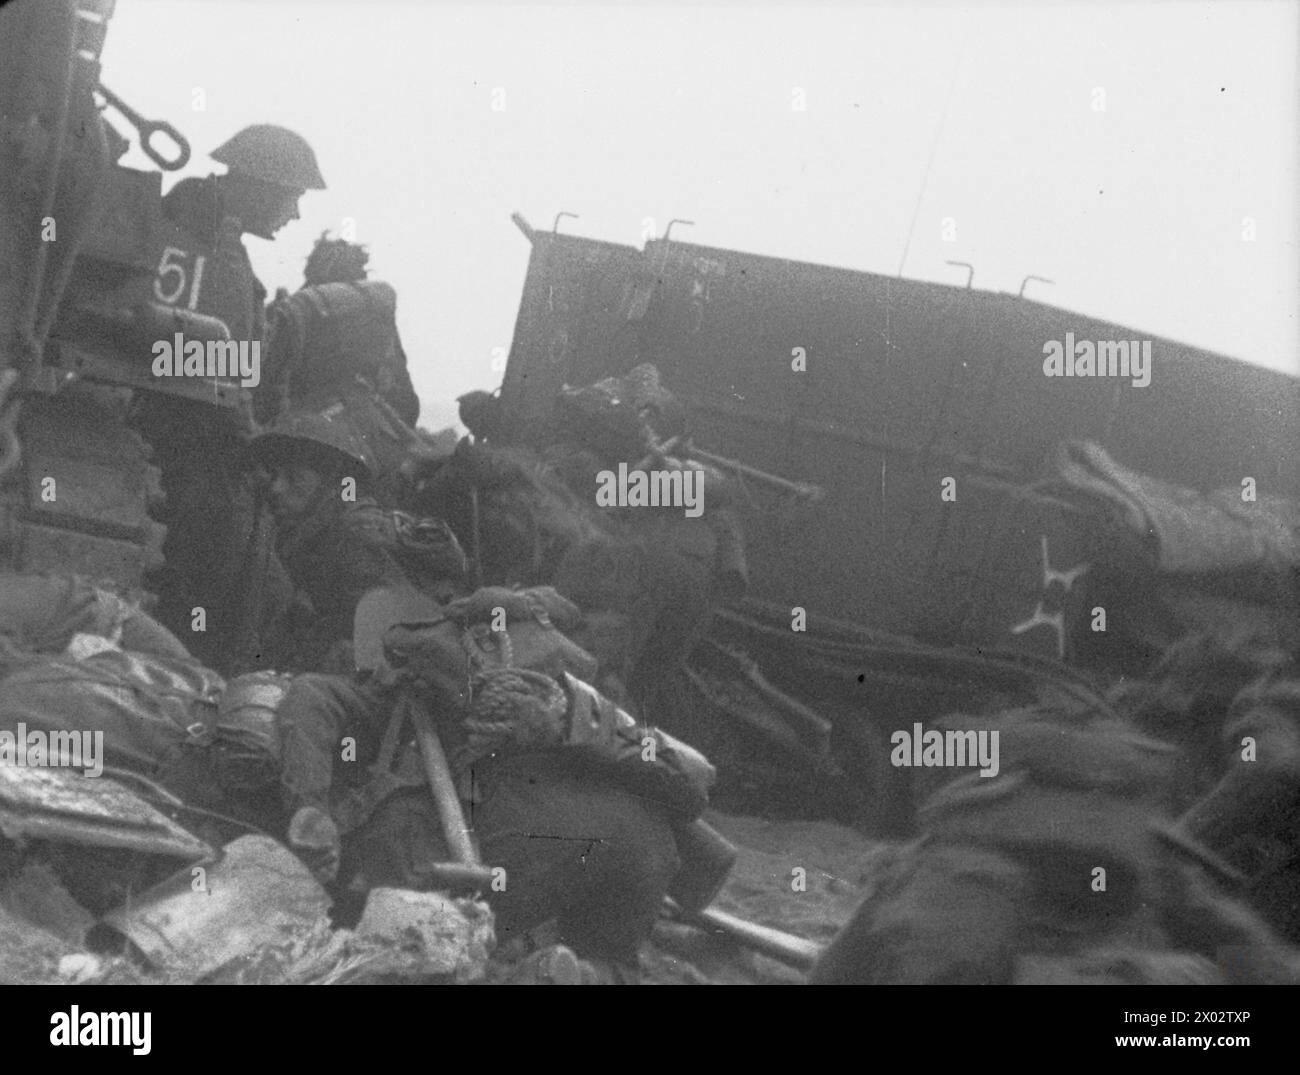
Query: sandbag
x,y
42,614
147,707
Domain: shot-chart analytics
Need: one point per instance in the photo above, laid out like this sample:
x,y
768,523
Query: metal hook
x,y
1043,279
555,227
970,274
147,128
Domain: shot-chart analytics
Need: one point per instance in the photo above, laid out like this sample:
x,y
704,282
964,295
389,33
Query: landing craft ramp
x,y
906,383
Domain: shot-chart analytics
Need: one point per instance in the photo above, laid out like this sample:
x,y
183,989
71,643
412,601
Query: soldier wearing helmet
x,y
334,540
268,170
203,266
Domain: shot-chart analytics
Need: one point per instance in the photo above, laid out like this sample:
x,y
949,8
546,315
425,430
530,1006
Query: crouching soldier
x,y
1065,865
578,812
334,541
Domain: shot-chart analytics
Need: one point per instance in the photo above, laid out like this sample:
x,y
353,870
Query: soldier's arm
x,y
367,557
401,396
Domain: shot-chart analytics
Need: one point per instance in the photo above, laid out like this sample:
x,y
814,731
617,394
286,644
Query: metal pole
x,y
443,787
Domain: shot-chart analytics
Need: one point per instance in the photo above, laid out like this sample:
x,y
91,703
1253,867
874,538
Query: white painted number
x,y
172,265
198,279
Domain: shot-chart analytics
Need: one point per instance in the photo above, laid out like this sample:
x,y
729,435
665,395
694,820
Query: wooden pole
x,y
786,947
443,787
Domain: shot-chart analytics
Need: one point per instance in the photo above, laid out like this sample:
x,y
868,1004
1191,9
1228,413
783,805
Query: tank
x,y
92,276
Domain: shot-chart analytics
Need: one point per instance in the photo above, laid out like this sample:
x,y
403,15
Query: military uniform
x,y
330,337
576,845
208,509
334,550
1251,813
585,839
341,552
1010,868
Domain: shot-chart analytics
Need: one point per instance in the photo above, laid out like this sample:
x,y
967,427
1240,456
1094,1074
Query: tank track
x,y
98,524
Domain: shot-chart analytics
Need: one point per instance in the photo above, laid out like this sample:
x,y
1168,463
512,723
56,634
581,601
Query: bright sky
x,y
630,116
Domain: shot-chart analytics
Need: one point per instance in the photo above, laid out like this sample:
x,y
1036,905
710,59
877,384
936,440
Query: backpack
x,y
330,333
493,628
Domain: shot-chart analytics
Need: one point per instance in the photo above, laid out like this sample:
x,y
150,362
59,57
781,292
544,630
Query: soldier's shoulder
x,y
370,521
195,205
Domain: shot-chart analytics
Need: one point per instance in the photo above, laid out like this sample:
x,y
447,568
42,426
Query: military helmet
x,y
296,430
272,154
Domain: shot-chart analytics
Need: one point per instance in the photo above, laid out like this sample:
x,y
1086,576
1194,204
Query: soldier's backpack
x,y
497,663
513,710
493,628
331,333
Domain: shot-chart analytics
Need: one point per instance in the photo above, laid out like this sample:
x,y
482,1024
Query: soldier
x,y
269,169
334,541
208,510
585,832
1068,851
336,340
340,330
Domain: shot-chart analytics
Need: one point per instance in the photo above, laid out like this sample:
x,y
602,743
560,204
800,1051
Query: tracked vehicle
x,y
92,274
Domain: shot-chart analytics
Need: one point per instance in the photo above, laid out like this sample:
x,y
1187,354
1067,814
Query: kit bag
x,y
146,708
493,628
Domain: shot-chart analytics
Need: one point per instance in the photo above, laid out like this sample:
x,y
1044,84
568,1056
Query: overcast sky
x,y
632,114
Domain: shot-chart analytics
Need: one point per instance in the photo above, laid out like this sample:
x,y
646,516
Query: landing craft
x,y
923,411
907,382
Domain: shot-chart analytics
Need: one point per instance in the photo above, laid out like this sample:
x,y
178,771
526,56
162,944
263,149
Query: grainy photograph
x,y
598,494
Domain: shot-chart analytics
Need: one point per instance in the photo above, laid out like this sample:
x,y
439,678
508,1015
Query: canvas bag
x,y
445,654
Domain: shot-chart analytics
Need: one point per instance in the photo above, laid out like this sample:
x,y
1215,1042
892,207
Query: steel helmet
x,y
330,429
274,155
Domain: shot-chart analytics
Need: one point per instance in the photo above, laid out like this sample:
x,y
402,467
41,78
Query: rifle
x,y
659,450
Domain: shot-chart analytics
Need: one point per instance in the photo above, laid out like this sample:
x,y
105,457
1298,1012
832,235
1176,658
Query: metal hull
x,y
907,383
